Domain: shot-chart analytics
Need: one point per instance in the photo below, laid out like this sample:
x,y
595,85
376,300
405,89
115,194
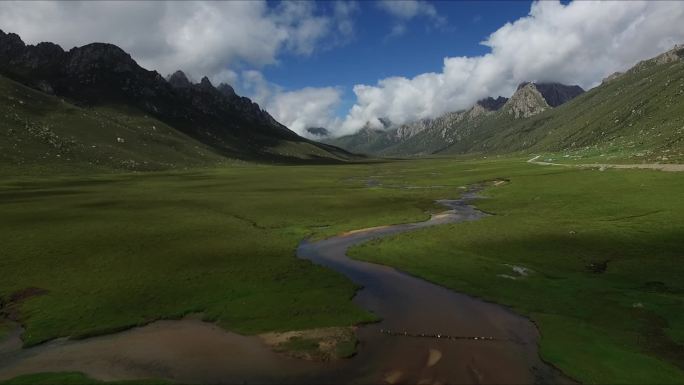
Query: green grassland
x,y
605,252
112,251
118,250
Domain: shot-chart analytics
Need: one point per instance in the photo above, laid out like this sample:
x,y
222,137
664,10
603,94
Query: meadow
x,y
111,251
106,252
592,257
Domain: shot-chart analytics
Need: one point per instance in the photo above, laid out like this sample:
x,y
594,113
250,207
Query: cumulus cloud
x,y
408,9
201,37
579,43
343,14
405,10
297,109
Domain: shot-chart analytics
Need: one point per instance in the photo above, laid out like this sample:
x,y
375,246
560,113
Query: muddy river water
x,y
428,334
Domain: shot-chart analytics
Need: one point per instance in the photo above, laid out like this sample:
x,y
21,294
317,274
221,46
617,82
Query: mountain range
x,y
94,106
102,76
427,136
638,115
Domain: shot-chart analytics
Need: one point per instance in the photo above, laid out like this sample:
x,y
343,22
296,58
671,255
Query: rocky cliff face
x,y
532,98
442,124
525,102
99,73
491,104
671,56
556,94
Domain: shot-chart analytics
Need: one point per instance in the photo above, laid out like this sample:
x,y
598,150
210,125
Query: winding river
x,y
428,334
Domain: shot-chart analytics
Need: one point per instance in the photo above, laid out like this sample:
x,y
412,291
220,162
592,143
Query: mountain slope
x,y
636,115
455,129
39,129
103,75
422,137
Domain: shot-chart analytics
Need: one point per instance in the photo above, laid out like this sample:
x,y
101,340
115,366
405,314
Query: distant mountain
x,y
318,131
98,75
417,138
532,98
492,104
556,94
637,114
429,136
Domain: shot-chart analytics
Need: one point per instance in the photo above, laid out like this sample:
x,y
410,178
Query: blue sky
x,y
345,64
373,54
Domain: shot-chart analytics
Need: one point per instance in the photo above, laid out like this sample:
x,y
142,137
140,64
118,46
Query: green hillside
x,y
40,131
366,141
637,117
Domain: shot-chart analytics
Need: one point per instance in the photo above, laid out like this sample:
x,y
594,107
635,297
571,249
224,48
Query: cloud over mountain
x,y
297,109
200,37
579,43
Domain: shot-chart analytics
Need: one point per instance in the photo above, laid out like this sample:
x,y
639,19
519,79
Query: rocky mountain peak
x,y
386,122
556,94
101,73
671,56
526,101
226,90
492,104
10,42
179,80
206,83
99,57
532,98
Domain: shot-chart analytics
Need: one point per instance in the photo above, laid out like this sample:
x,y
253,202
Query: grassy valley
x,y
219,242
127,198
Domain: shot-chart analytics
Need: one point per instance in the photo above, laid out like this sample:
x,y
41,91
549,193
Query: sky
x,y
343,65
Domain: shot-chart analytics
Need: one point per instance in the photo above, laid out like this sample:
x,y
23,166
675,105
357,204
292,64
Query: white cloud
x,y
408,9
343,13
298,109
200,37
405,10
306,107
397,30
307,27
579,43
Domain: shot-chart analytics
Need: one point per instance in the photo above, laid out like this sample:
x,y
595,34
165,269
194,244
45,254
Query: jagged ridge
x,y
100,74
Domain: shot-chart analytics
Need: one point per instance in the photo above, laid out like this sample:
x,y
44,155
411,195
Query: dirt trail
x,y
670,167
